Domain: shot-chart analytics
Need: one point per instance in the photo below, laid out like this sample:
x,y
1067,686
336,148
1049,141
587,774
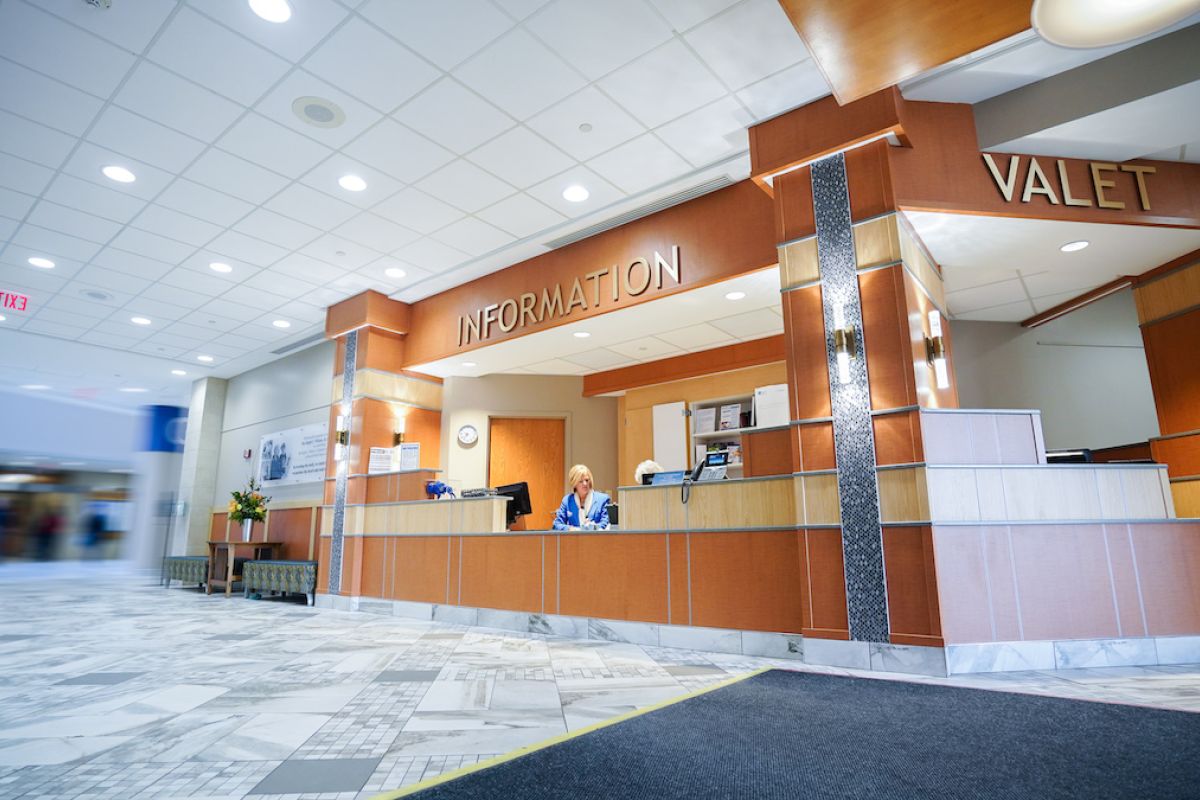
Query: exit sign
x,y
13,301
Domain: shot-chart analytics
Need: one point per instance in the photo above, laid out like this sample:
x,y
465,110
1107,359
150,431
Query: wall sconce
x,y
341,438
935,350
843,345
398,431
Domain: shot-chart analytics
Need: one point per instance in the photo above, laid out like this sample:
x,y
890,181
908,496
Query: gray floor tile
x,y
318,775
100,678
407,675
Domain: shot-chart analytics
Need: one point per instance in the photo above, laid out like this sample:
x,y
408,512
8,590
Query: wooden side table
x,y
223,555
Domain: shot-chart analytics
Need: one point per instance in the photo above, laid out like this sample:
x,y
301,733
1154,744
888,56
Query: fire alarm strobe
x,y
247,453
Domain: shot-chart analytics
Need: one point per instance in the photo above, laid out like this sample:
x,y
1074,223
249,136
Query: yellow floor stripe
x,y
562,737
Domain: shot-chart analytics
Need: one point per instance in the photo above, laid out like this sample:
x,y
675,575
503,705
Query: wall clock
x,y
467,435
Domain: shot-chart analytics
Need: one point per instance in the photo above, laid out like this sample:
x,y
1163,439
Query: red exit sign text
x,y
13,301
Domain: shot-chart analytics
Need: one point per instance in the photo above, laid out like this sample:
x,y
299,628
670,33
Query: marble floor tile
x,y
317,776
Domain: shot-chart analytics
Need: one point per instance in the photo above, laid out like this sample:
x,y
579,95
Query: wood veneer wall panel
x,y
741,504
550,574
798,263
1169,294
749,581
421,568
1171,348
898,438
794,218
351,582
816,446
369,308
216,530
887,338
323,548
502,572
379,349
680,612
374,550
753,353
291,526
807,366
767,453
614,576
394,488
913,613
824,570
918,307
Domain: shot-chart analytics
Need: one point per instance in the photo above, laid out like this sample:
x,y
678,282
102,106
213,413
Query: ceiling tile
x,y
68,220
54,243
376,232
520,9
256,300
400,152
520,75
24,176
376,272
61,317
465,186
190,45
993,294
684,14
663,84
696,336
355,282
196,282
645,348
276,229
415,209
325,296
213,321
34,281
303,312
601,192
85,309
751,324
473,236
203,202
1008,312
709,133
596,38
97,200
185,298
173,342
611,125
246,248
160,314
152,246
174,225
968,277
453,116
556,366
14,206
277,106
32,141
89,159
201,261
640,164
311,23
109,340
123,328
177,103
43,100
795,86
269,281
521,215
236,176
130,26
446,32
308,205
521,157
325,176
307,269
431,256
111,280
340,252
161,350
77,58
600,358
371,66
53,329
132,263
722,42
1057,281
269,144
124,132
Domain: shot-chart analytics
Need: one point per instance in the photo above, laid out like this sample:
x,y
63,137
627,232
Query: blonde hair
x,y
647,466
578,473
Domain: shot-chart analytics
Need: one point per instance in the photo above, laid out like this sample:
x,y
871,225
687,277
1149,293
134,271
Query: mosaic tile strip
x,y
349,363
853,437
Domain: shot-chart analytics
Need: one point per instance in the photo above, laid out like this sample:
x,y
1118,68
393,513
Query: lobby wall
x,y
1086,371
287,393
591,423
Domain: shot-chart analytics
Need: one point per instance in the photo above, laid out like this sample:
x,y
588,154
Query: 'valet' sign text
x,y
600,287
1040,180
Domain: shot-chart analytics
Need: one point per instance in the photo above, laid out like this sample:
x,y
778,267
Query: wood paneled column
x,y
1169,313
372,394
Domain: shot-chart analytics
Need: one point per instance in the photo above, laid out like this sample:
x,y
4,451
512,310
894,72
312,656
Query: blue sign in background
x,y
165,426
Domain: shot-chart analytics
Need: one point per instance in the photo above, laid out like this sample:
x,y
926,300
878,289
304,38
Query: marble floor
x,y
113,687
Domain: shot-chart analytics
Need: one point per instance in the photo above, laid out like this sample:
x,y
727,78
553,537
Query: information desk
x,y
222,558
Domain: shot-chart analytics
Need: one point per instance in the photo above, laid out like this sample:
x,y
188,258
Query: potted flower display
x,y
248,506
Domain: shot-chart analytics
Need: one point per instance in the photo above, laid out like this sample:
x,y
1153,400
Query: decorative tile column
x,y
341,471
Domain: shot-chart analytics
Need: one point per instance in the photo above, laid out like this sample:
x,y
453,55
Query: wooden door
x,y
530,449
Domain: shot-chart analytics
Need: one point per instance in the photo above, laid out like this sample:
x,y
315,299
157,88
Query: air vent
x,y
629,216
308,341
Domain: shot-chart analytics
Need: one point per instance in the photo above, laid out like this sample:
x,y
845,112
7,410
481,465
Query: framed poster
x,y
293,456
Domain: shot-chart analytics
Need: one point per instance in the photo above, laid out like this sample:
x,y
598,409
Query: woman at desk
x,y
583,508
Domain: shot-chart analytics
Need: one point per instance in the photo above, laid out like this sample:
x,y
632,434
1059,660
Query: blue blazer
x,y
568,513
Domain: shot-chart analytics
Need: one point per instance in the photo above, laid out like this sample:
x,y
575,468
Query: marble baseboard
x,y
908,659
1178,649
1092,653
837,653
1072,654
999,657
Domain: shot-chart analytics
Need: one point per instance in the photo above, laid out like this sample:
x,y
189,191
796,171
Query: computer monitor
x,y
519,505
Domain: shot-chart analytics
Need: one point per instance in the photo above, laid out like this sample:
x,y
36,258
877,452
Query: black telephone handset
x,y
700,465
685,490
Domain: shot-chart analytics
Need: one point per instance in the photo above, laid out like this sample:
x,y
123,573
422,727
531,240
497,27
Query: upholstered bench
x,y
185,569
281,576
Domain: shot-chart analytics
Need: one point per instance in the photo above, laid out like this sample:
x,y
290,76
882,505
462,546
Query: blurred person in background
x,y
45,533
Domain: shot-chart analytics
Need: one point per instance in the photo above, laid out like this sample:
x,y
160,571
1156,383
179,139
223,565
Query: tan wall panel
x,y
644,509
817,499
741,504
918,263
903,496
1167,295
1186,495
393,387
798,263
877,242
476,515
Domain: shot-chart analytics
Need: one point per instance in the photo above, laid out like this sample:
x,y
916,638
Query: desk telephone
x,y
713,467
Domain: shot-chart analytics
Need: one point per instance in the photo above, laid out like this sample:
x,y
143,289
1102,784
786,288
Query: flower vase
x,y
247,527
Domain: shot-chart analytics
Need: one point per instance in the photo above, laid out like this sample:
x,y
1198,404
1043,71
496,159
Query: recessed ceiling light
x,y
469,364
119,174
735,296
575,193
394,272
272,10
581,334
205,359
1084,23
281,323
132,389
1071,247
41,263
179,372
35,387
139,320
352,183
217,266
